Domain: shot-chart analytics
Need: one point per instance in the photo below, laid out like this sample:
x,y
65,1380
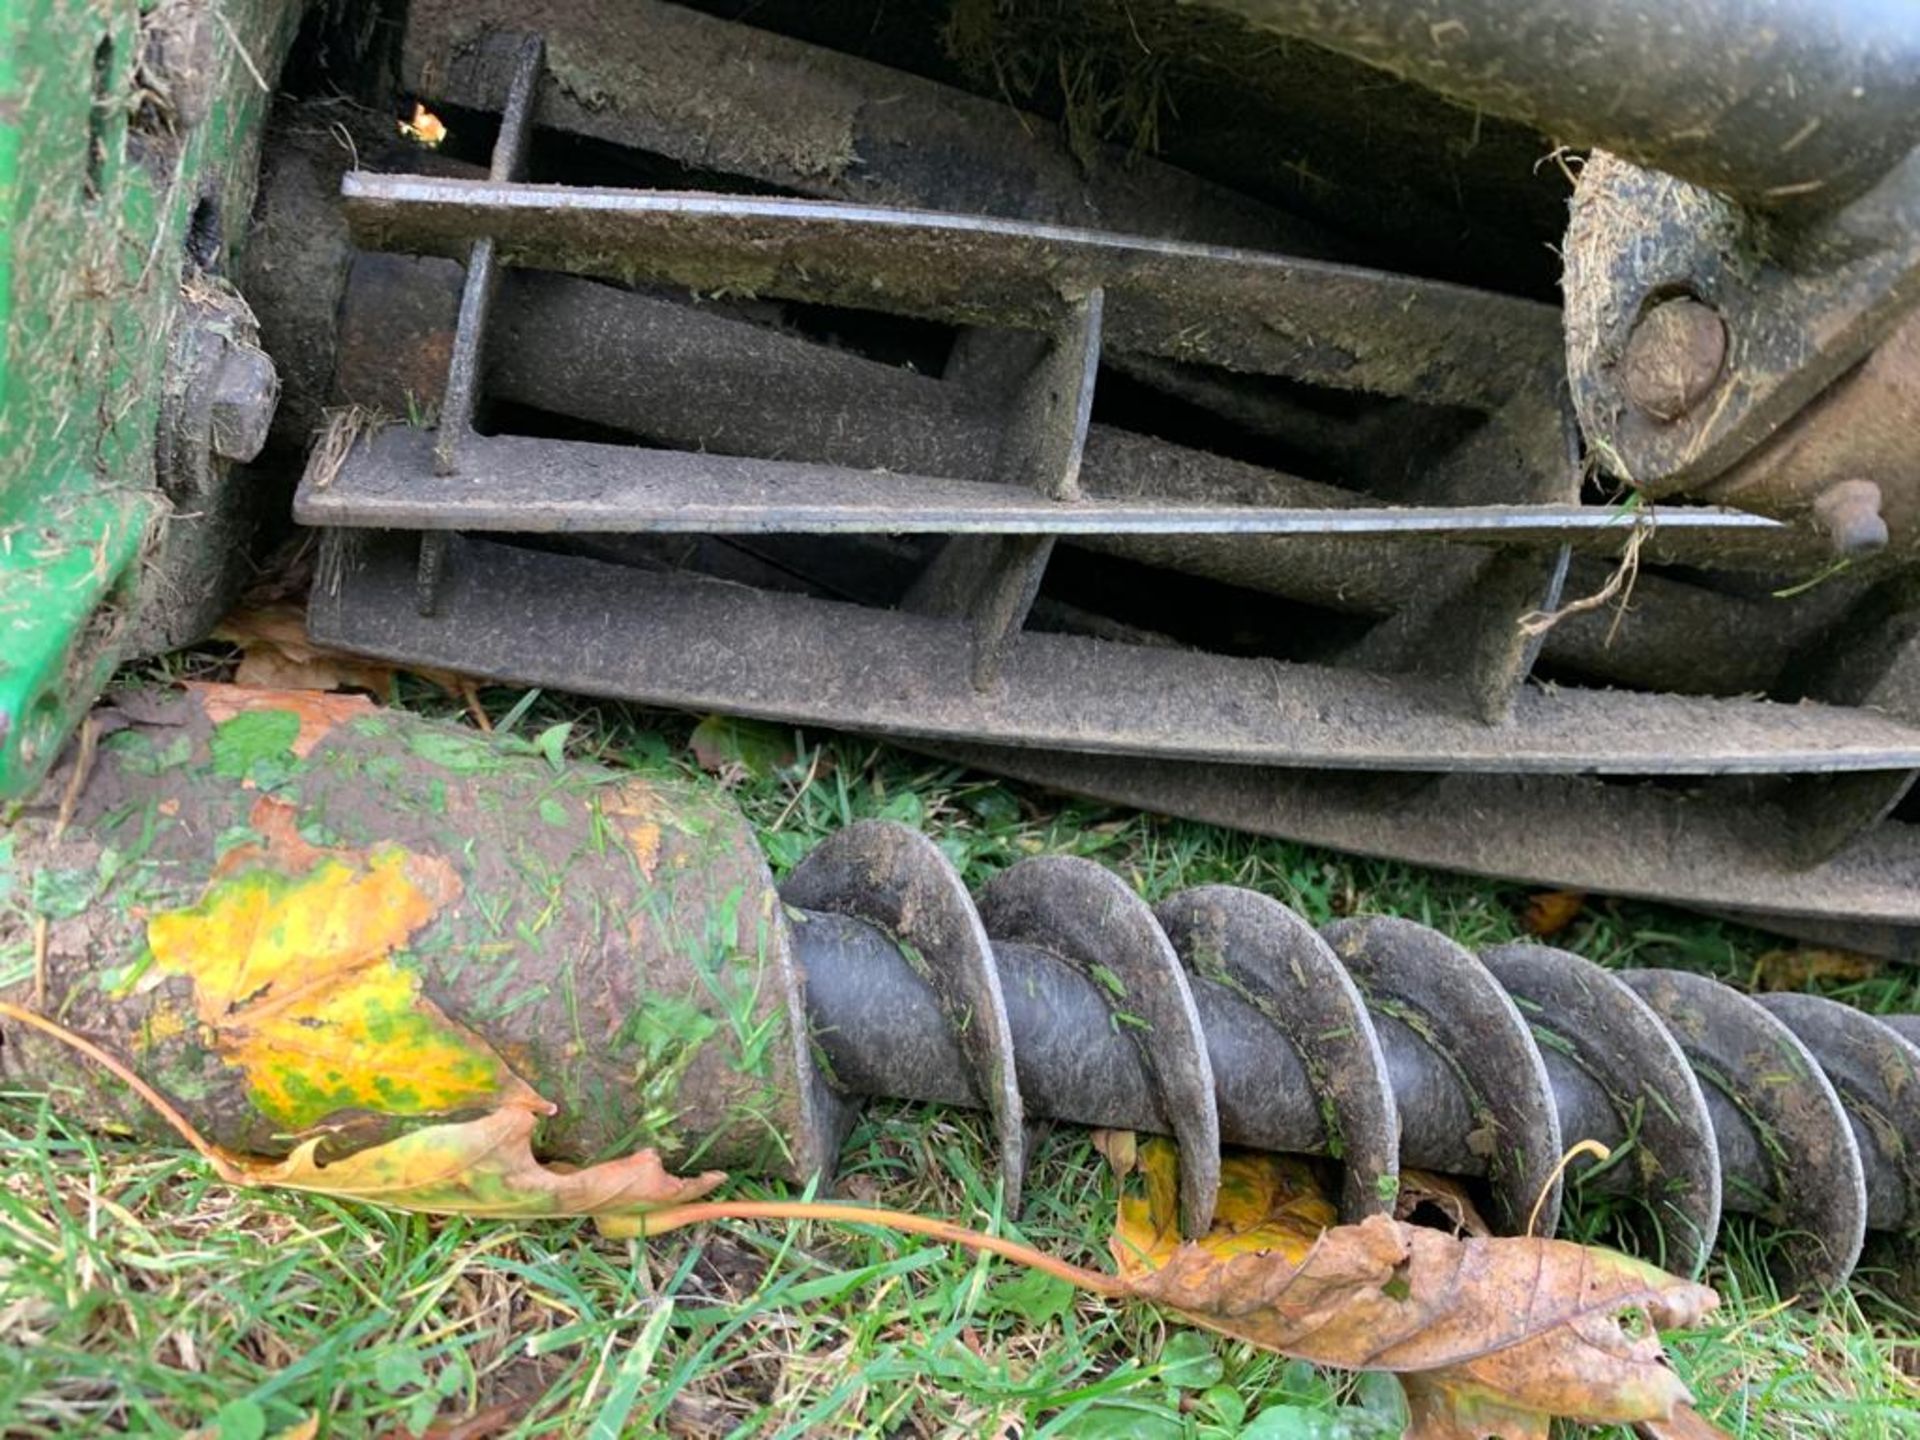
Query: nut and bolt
x,y
1674,358
1849,512
245,391
219,400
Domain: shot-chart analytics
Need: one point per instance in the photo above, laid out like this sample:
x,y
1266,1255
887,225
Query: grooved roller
x,y
1220,1015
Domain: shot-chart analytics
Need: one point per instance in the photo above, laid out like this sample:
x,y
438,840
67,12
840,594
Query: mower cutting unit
x,y
779,365
1203,406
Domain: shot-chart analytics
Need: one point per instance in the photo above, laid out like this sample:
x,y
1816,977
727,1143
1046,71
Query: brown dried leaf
x,y
277,655
1121,1149
1449,1197
1795,969
1503,1333
1551,911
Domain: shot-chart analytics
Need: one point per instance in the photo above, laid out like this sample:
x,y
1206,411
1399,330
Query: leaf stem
x,y
655,1222
119,1068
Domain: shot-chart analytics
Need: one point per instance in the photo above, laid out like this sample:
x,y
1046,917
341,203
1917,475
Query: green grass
x,y
138,1295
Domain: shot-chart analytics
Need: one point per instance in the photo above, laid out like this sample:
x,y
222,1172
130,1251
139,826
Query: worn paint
x,y
642,985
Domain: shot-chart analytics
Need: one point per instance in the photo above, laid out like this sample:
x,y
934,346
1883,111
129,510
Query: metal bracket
x,y
460,399
1671,406
993,579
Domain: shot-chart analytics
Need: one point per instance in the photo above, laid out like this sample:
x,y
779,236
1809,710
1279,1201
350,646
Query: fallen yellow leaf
x,y
482,1167
1267,1203
1796,969
291,955
1549,912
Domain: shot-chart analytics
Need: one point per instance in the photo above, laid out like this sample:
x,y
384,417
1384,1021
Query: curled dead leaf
x,y
1498,1335
276,654
1421,1188
1120,1148
484,1167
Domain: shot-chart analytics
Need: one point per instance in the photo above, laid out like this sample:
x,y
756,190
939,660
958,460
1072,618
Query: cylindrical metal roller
x,y
1619,1077
1787,1151
619,940
1380,1035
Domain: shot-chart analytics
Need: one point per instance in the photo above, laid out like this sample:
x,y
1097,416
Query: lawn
x,y
139,1295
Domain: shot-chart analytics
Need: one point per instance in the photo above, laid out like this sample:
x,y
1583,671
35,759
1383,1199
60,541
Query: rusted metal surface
x,y
216,407
1674,358
1848,456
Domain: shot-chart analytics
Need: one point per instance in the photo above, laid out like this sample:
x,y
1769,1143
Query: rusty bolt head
x,y
1674,358
1849,512
246,389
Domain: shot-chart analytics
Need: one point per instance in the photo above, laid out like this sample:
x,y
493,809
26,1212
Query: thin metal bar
x,y
667,638
476,298
520,484
462,392
1315,321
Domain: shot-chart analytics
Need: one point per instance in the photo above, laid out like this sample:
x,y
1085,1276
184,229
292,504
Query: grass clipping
x,y
1489,1336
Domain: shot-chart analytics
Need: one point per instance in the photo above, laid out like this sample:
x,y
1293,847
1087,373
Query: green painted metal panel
x,y
101,172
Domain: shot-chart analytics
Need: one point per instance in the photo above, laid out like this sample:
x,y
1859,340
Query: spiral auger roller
x,y
1220,1016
